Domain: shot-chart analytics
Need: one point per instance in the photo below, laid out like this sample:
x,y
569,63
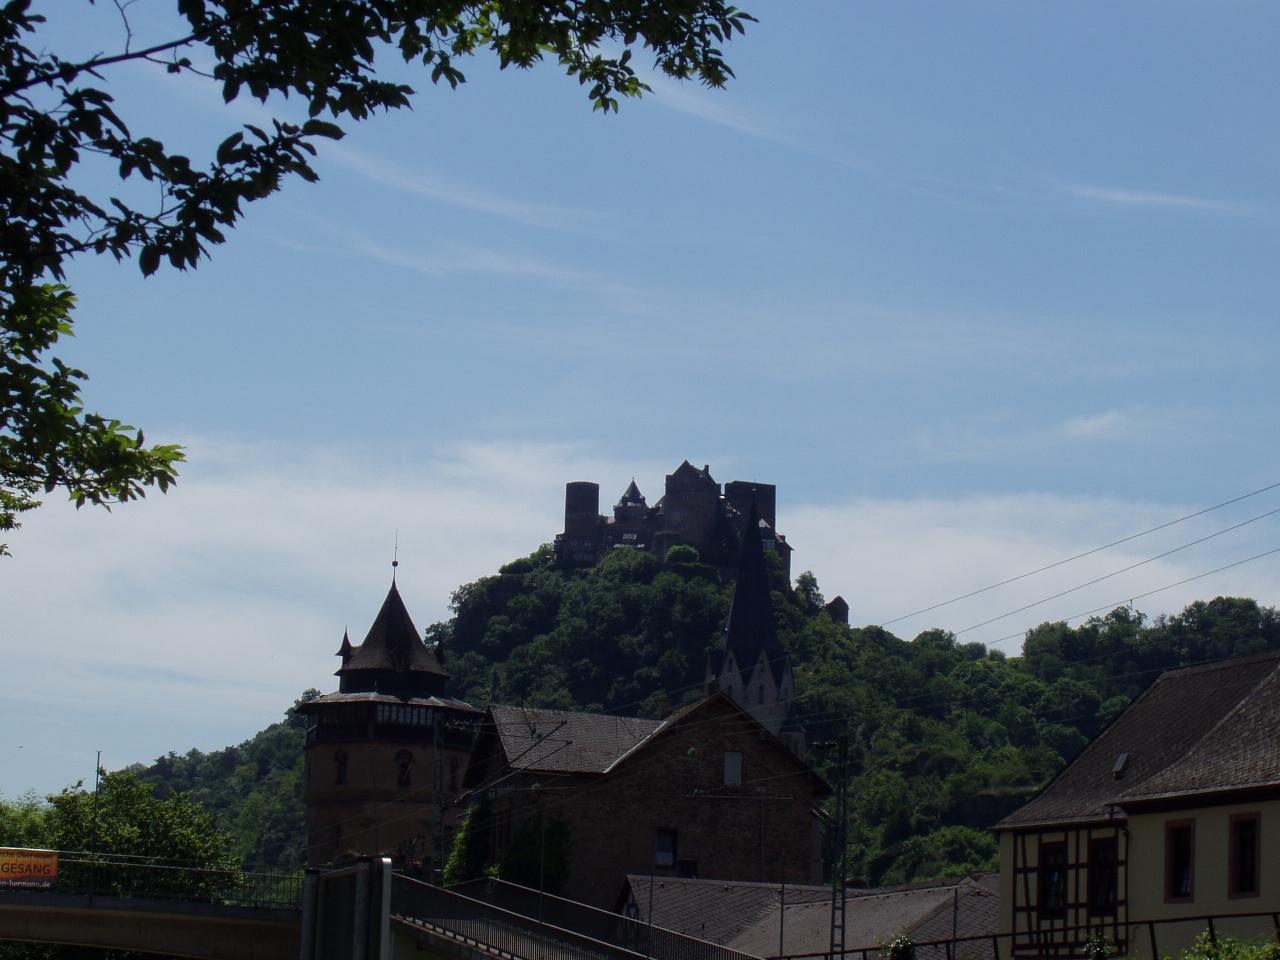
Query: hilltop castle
x,y
693,510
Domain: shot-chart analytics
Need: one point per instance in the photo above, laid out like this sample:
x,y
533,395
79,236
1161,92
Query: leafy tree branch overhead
x,y
57,113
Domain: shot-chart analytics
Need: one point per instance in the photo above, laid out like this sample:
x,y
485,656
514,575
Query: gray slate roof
x,y
1242,751
563,741
745,916
1197,729
393,643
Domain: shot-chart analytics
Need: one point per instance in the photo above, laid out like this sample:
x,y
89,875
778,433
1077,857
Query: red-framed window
x,y
1104,876
1052,871
1179,861
1244,855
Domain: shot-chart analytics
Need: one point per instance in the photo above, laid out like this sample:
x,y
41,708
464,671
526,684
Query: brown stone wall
x,y
371,813
761,830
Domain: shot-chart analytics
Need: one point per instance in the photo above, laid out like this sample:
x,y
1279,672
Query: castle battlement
x,y
693,510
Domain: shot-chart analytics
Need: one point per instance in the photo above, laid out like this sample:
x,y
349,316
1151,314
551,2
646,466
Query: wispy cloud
x,y
445,258
1098,425
423,183
1147,198
709,106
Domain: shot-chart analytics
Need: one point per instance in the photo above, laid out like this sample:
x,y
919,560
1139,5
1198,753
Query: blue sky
x,y
977,285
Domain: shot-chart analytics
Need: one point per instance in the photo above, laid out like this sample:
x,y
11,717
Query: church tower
x,y
388,750
751,667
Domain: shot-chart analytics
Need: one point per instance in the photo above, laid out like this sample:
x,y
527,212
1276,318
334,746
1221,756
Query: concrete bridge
x,y
201,931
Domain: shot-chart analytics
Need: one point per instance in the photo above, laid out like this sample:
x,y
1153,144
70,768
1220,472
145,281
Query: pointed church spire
x,y
346,649
750,629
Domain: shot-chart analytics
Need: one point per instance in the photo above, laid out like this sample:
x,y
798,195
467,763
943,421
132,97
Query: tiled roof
x,y
715,910
564,741
972,910
1166,735
1242,751
745,916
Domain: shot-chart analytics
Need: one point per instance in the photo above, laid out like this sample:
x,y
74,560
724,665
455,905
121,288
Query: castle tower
x,y
580,542
690,508
752,667
387,752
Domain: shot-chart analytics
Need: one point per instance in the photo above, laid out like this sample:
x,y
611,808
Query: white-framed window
x,y
733,769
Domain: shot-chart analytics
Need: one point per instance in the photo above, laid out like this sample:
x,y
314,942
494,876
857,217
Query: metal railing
x,y
620,931
123,875
492,929
1141,938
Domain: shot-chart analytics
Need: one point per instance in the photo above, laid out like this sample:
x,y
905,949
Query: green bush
x,y
900,947
1224,948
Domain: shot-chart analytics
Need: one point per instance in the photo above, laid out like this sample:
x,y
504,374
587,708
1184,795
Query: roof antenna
x,y
395,556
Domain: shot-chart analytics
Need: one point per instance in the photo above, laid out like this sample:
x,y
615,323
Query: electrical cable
x,y
1078,556
1116,573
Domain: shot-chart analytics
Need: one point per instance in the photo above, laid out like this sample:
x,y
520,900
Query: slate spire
x,y
393,656
750,629
346,649
632,496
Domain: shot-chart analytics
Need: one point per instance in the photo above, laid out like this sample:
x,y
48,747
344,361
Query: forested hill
x,y
946,737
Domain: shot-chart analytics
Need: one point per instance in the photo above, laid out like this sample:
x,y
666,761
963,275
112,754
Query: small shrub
x,y
1097,948
900,947
1224,948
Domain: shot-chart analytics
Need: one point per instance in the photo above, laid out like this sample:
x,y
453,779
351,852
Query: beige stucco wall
x,y
1211,846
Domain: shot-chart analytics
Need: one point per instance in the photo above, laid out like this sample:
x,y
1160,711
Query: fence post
x,y
308,950
1213,934
1275,922
1151,932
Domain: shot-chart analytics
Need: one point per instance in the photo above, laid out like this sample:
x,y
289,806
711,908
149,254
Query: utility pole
x,y
437,801
840,857
93,818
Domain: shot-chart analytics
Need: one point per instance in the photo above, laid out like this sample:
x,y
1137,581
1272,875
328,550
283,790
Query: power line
x,y
1116,573
1139,596
1078,556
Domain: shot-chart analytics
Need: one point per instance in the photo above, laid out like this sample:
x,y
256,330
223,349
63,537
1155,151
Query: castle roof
x,y
393,655
750,630
632,496
687,471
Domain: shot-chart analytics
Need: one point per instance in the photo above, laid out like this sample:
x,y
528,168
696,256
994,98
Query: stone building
x,y
693,510
388,750
707,792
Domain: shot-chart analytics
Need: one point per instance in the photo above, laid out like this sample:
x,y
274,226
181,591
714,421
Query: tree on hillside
x,y
57,114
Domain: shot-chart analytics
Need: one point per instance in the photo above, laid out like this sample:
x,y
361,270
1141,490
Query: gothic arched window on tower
x,y
339,768
404,767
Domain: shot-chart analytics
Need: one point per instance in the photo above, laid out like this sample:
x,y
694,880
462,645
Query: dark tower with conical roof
x,y
751,666
387,751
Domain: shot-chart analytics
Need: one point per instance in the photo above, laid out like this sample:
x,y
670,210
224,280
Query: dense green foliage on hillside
x,y
946,737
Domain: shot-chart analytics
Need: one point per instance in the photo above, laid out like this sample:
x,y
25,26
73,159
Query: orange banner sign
x,y
32,869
